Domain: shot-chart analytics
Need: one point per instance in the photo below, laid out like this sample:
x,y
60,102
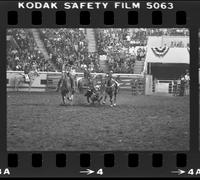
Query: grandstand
x,y
49,48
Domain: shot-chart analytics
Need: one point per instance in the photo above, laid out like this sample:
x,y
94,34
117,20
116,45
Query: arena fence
x,y
47,81
169,87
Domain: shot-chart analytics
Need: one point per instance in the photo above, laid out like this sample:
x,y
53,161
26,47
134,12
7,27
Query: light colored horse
x,y
83,83
19,79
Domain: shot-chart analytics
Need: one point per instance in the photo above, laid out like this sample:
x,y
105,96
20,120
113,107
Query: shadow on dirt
x,y
84,105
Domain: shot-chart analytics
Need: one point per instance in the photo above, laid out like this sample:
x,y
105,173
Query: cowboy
x,y
110,79
35,69
70,72
88,77
89,93
96,96
87,74
182,86
187,75
93,94
63,75
97,89
26,71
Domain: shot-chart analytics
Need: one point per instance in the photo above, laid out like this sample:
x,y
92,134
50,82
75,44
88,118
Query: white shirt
x,y
187,77
73,72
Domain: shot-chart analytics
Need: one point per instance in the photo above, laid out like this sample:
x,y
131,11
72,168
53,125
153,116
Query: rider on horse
x,y
71,73
26,71
110,79
67,72
88,77
111,88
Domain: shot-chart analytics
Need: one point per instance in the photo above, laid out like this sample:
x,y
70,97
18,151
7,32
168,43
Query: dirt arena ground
x,y
37,122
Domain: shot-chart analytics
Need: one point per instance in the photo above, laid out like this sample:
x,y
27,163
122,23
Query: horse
x,y
65,86
19,78
111,91
83,83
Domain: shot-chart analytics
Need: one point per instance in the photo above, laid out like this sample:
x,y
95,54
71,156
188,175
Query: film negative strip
x,y
99,89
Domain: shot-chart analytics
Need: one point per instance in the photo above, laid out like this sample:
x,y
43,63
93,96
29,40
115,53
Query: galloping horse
x,y
65,86
20,79
111,89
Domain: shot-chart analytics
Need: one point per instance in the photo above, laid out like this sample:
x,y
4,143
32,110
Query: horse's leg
x,y
63,99
63,96
115,98
105,97
69,96
71,99
93,100
99,101
88,99
111,100
80,87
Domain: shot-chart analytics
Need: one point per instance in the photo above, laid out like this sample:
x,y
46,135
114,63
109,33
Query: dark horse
x,y
111,88
66,88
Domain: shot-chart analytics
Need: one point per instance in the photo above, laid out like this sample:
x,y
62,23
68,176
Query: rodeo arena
x,y
90,89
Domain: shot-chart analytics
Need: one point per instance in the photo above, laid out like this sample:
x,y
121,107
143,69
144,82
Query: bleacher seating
x,y
122,47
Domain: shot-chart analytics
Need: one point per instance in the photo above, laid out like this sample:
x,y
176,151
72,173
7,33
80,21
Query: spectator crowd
x,y
22,50
122,47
